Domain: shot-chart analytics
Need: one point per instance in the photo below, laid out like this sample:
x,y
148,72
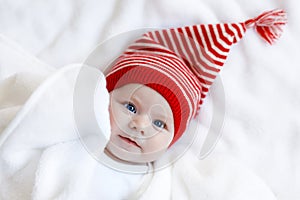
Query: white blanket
x,y
260,147
42,157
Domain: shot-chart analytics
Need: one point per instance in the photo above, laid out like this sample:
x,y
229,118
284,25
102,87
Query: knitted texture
x,y
182,63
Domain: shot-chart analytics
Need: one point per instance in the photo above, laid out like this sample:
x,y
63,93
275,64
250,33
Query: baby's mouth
x,y
129,141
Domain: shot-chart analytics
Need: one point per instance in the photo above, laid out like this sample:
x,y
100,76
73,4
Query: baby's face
x,y
142,124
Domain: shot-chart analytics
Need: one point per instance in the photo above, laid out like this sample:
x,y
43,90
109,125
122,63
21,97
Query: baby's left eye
x,y
130,107
159,124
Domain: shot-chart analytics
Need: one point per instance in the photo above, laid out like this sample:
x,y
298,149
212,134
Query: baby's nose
x,y
140,123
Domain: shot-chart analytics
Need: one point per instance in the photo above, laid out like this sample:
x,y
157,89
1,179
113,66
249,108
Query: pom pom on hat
x,y
269,24
182,63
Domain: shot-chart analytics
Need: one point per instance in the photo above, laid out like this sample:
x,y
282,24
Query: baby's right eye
x,y
130,107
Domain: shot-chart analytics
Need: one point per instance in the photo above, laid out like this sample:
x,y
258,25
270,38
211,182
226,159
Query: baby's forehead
x,y
143,95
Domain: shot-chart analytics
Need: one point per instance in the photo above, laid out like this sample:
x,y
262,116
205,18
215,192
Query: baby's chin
x,y
134,157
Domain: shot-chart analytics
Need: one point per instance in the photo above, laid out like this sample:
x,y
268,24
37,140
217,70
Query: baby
x,y
153,96
156,87
142,127
159,83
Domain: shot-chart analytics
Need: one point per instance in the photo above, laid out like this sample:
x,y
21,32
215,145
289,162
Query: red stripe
x,y
157,64
139,59
150,35
150,49
199,72
229,31
160,41
194,43
244,27
190,58
217,44
146,40
209,45
195,29
179,72
203,52
195,50
180,69
201,102
203,95
193,80
208,82
237,28
204,89
202,81
222,36
185,40
176,41
167,38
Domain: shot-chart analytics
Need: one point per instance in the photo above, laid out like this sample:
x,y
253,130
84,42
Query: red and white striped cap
x,y
182,63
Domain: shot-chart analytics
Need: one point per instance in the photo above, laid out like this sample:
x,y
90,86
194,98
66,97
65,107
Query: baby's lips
x,y
130,140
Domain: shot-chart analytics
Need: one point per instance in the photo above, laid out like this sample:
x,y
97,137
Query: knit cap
x,y
182,63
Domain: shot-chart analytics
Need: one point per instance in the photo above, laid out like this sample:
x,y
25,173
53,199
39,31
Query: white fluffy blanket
x,y
258,154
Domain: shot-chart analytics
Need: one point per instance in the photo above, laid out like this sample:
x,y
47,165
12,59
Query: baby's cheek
x,y
114,114
158,142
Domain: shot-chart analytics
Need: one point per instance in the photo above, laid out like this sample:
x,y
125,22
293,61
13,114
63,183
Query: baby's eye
x,y
130,107
159,124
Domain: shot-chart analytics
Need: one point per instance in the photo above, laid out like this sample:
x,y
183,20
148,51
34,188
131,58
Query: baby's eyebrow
x,y
136,99
159,115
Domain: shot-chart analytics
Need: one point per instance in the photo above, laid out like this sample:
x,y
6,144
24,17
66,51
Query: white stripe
x,y
200,75
194,83
146,37
206,78
183,79
236,34
173,56
142,44
224,44
159,46
206,47
186,82
190,84
241,28
195,72
154,36
152,52
192,58
205,93
202,57
173,42
163,39
213,44
195,58
229,37
187,79
168,32
178,38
